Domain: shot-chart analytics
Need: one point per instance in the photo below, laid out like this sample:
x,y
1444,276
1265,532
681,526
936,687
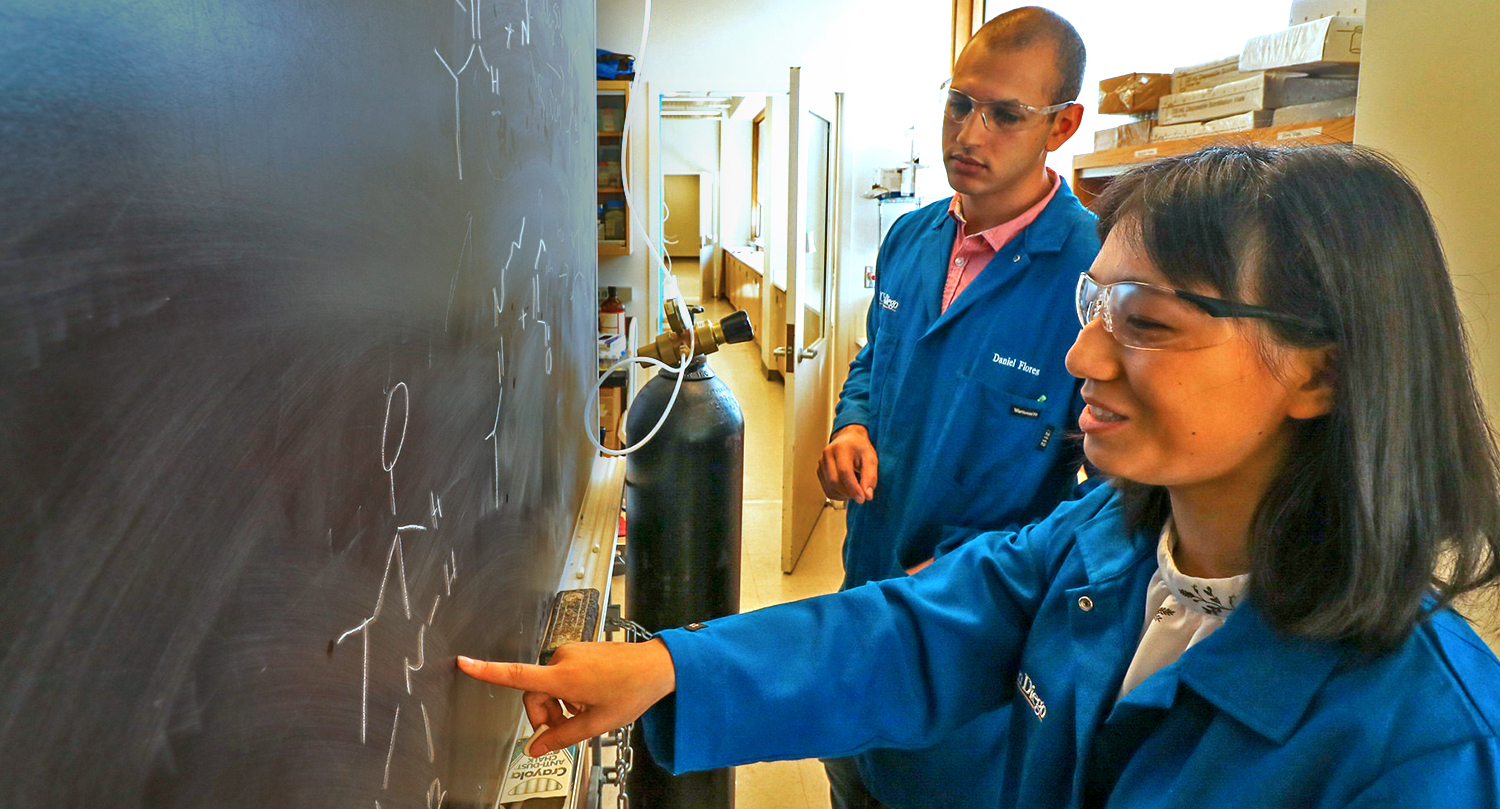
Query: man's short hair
x,y
1029,25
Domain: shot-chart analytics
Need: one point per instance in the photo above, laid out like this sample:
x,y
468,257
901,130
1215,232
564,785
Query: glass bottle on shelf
x,y
612,314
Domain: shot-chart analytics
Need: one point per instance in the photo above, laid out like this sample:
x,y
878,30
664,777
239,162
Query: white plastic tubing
x,y
591,405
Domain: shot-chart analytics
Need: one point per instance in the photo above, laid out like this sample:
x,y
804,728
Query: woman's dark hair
x,y
1400,479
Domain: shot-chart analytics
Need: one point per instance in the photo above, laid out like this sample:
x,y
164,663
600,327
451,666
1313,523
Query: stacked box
x,y
1266,84
1208,74
1309,10
1132,134
1132,92
1263,92
1330,44
1238,123
1177,131
1316,111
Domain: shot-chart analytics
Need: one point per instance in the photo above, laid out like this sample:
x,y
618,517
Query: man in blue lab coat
x,y
958,404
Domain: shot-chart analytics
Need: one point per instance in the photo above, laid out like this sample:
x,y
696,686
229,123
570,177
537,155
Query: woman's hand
x,y
603,686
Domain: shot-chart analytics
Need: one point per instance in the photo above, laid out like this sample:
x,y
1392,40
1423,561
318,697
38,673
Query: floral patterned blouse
x,y
1180,611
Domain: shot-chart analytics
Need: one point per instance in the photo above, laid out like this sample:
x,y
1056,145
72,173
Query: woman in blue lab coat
x,y
1256,610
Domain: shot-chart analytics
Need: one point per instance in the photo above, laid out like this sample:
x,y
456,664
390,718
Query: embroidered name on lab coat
x,y
1019,365
1028,690
887,302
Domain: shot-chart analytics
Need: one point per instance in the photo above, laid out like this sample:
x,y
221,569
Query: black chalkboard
x,y
296,327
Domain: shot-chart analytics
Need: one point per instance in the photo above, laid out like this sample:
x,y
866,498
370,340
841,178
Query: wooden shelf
x,y
609,145
1092,172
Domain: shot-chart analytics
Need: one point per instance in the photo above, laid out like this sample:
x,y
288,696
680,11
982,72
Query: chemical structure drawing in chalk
x,y
530,313
476,48
458,124
494,434
394,578
525,91
405,416
465,257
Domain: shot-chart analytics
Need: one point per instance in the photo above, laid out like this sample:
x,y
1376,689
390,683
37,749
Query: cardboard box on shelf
x,y
1238,123
1132,134
1177,131
1316,111
1208,74
1330,44
1309,10
1132,92
611,402
1263,92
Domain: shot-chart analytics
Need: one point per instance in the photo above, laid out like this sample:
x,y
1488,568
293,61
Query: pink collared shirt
x,y
971,254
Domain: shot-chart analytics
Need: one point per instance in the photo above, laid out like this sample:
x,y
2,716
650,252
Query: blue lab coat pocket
x,y
994,434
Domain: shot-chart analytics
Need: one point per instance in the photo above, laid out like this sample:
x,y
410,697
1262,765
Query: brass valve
x,y
672,345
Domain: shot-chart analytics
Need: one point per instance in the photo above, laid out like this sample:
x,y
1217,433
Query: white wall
x,y
689,146
1428,98
734,182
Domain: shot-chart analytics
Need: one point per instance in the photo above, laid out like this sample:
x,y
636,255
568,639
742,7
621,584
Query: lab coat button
x,y
958,262
1085,603
1016,257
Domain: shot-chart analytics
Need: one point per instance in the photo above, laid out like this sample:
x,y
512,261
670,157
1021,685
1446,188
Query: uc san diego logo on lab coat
x,y
1028,690
888,303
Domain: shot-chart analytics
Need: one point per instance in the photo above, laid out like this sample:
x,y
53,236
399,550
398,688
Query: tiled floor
x,y
783,784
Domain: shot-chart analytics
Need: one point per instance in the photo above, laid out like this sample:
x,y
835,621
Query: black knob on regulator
x,y
737,328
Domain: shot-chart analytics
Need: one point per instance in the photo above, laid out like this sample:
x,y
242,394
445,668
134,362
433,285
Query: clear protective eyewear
x,y
1157,318
996,116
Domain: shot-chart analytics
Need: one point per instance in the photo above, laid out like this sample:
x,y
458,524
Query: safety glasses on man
x,y
997,116
1157,318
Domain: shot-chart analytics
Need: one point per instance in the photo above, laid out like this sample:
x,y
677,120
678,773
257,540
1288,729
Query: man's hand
x,y
604,686
847,469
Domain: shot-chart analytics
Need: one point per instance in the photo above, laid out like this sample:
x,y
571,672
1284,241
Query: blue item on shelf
x,y
615,65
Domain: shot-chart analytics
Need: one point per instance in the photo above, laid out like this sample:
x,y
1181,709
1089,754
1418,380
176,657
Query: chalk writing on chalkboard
x,y
458,145
394,435
499,400
476,31
465,255
395,567
405,419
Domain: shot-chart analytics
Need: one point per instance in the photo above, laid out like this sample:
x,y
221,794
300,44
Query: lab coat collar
x,y
1261,677
1247,669
1046,234
1099,539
